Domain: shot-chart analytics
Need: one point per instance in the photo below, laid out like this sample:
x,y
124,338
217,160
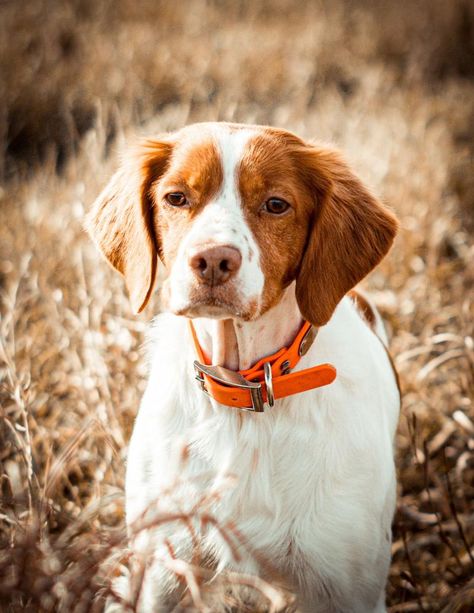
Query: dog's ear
x,y
121,219
351,232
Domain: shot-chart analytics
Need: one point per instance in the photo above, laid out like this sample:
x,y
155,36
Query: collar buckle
x,y
230,378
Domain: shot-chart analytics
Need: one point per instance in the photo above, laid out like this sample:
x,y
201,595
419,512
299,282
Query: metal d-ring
x,y
267,370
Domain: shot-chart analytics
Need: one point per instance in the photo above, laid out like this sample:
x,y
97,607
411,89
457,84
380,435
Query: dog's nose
x,y
214,265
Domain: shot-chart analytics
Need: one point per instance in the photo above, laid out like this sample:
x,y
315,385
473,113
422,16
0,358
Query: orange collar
x,y
270,378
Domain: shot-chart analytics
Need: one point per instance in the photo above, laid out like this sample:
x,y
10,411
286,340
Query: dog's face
x,y
232,221
236,213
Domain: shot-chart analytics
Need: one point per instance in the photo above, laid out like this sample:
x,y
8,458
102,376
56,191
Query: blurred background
x,y
390,83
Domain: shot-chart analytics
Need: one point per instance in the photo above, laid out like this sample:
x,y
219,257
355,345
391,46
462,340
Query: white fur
x,y
316,471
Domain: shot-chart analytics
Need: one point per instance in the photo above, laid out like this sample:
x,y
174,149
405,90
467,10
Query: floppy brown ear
x,y
351,233
121,219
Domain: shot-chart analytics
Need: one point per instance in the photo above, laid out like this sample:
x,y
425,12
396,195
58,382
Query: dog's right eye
x,y
176,199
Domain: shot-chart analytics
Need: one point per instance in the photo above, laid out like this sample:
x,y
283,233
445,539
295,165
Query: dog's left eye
x,y
176,199
276,206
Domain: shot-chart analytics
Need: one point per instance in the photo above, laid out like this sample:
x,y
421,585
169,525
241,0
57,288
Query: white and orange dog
x,y
262,237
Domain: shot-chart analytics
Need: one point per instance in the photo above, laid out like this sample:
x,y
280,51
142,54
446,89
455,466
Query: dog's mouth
x,y
196,300
211,303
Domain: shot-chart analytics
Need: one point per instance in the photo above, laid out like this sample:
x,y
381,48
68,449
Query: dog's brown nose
x,y
214,265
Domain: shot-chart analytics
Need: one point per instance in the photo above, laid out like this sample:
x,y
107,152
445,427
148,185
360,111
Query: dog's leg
x,y
318,603
161,591
320,606
354,587
153,588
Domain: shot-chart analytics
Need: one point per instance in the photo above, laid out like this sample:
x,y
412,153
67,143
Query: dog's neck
x,y
238,345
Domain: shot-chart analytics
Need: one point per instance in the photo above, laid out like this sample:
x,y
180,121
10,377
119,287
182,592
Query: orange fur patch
x,y
364,308
267,170
121,219
196,171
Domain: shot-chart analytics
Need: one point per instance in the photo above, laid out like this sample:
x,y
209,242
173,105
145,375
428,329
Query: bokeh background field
x,y
391,83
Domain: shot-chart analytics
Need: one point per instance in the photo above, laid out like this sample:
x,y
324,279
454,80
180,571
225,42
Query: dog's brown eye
x,y
176,199
276,206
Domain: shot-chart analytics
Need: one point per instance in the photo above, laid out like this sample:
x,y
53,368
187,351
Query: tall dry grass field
x,y
390,83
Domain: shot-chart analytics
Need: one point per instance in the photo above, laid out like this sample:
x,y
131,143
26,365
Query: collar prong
x,y
267,369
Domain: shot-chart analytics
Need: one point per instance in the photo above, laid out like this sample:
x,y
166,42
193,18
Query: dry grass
x,y
391,86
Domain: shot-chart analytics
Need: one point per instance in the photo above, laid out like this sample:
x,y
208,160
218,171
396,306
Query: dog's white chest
x,y
296,481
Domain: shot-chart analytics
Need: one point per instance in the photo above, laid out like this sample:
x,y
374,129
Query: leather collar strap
x,y
269,379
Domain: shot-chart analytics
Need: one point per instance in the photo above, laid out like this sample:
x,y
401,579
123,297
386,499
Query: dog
x,y
265,363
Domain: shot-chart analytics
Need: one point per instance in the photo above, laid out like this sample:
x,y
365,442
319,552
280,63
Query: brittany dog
x,y
265,363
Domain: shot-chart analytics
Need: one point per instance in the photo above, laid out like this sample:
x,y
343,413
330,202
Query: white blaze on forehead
x,y
222,222
227,210
223,216
232,146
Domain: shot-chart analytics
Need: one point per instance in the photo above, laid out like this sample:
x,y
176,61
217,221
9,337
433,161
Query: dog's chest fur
x,y
303,483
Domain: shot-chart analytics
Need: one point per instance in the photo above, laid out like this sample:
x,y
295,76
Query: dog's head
x,y
236,213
